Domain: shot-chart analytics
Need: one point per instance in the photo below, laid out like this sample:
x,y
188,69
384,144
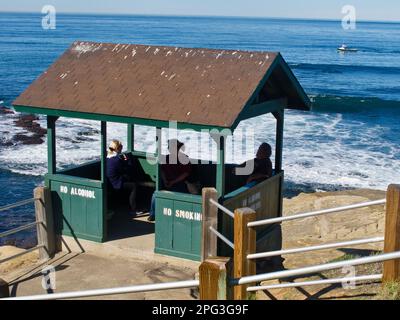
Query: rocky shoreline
x,y
27,122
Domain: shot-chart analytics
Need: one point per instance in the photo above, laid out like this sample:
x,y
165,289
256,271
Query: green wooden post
x,y
220,182
159,155
279,116
130,137
51,144
214,276
103,150
103,132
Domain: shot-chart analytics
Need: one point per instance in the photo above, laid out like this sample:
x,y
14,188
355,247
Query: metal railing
x,y
316,213
372,277
314,248
17,204
315,269
222,237
21,228
222,208
245,280
112,291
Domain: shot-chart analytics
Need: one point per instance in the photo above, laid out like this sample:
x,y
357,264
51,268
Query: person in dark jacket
x,y
118,166
261,165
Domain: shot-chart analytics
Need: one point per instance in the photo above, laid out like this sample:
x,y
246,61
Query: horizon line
x,y
197,16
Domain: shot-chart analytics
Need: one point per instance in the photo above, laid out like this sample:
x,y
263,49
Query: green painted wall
x,y
78,209
178,225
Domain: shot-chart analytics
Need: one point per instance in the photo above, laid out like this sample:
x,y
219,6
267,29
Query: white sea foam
x,y
321,150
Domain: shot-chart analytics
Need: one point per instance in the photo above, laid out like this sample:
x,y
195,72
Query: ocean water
x,y
350,139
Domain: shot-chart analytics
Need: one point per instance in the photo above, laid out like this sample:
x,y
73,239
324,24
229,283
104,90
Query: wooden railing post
x,y
210,219
45,229
214,275
391,268
245,243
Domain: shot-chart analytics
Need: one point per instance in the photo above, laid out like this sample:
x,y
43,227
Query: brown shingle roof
x,y
198,86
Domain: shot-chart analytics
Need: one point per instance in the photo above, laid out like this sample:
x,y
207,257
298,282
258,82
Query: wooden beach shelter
x,y
151,86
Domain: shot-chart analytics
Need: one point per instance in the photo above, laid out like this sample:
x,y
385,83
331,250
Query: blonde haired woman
x,y
118,170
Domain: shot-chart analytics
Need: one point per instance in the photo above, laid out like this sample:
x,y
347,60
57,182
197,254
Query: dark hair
x,y
266,147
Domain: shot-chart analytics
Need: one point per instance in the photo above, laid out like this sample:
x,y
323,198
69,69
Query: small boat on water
x,y
345,48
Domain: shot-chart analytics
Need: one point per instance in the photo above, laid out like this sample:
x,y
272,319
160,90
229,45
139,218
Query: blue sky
x,y
331,9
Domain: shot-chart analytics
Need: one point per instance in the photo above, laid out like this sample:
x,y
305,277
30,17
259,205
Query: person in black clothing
x,y
118,166
262,165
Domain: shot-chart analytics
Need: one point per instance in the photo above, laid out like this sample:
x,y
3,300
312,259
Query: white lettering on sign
x,y
253,201
189,215
63,189
167,212
84,193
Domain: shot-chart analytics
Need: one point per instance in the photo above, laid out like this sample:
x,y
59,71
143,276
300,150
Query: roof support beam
x,y
112,118
159,157
220,173
279,116
130,137
51,144
255,110
103,139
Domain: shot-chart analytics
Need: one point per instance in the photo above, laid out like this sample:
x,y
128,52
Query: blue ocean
x,y
350,139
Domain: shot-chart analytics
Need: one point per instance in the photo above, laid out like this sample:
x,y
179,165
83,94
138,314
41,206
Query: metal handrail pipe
x,y
317,282
314,248
22,253
112,291
316,268
222,208
222,237
316,213
17,204
21,228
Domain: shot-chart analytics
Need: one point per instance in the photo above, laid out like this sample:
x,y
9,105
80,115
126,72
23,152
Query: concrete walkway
x,y
127,259
87,271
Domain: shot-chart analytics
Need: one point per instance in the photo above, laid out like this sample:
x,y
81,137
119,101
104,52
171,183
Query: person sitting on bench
x,y
176,173
261,166
118,171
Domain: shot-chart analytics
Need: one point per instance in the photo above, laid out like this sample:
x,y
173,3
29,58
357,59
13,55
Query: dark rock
x,y
6,143
89,132
27,122
4,110
35,139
